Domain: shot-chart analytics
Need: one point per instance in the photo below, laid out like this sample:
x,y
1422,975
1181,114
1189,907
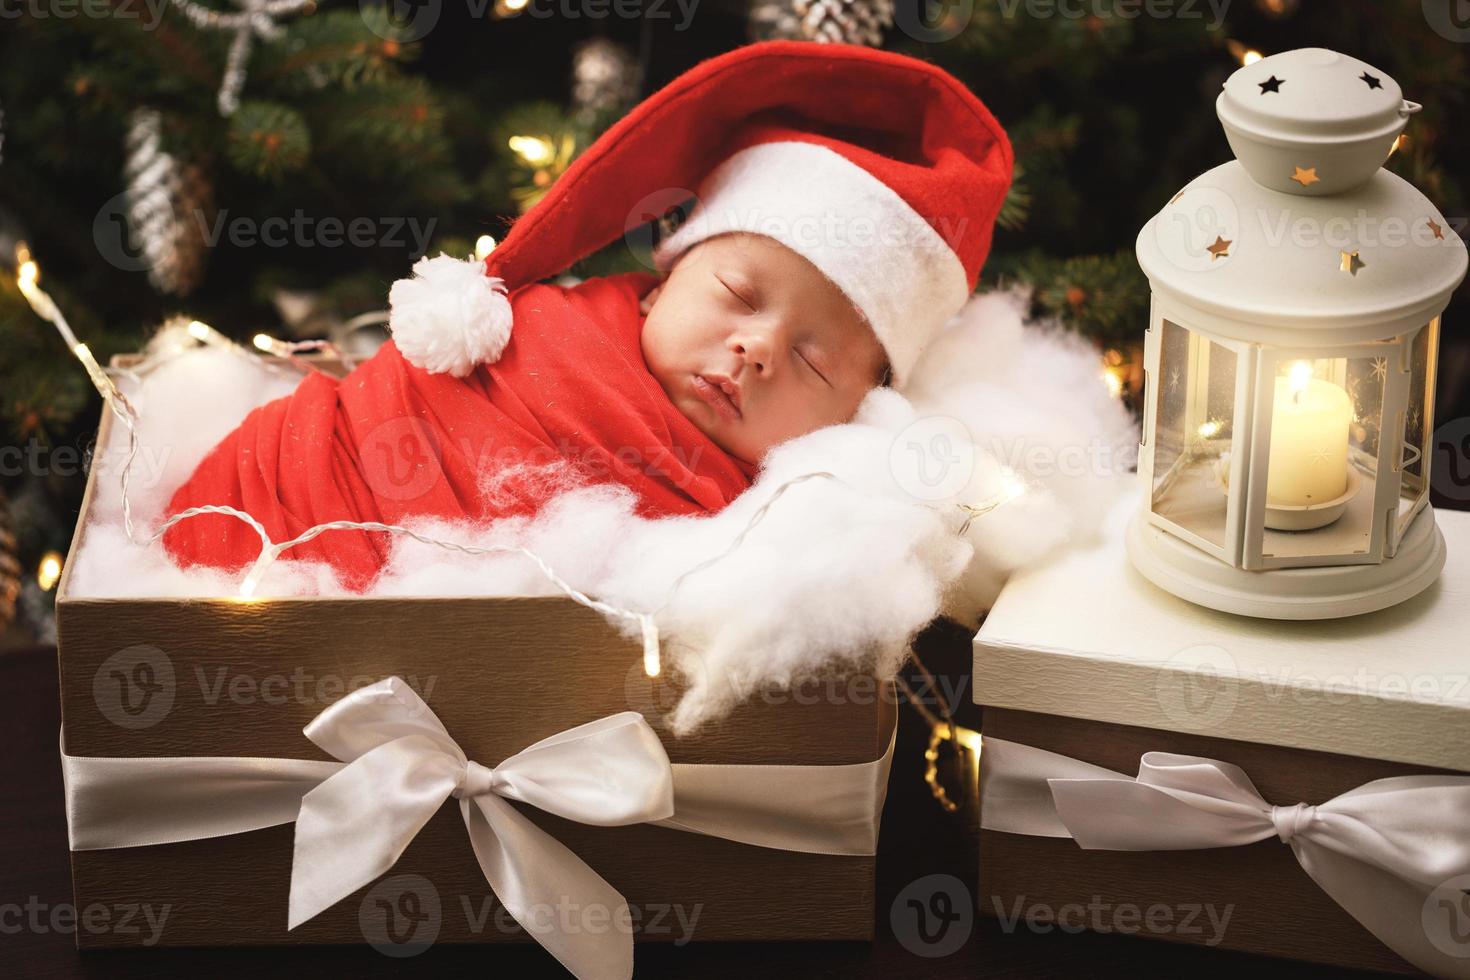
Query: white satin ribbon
x,y
1378,850
398,765
401,767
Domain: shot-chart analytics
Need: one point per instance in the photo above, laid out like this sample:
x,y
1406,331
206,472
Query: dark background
x,y
1108,115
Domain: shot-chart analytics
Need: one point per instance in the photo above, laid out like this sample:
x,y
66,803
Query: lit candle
x,y
1309,440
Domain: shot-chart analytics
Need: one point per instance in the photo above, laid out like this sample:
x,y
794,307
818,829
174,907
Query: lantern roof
x,y
1262,255
1324,111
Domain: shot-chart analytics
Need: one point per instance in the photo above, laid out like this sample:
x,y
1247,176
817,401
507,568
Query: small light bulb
x,y
969,738
483,246
262,342
1251,57
252,578
1014,486
532,149
48,573
651,659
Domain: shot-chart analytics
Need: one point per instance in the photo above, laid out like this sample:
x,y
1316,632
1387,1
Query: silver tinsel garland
x,y
832,21
606,80
9,564
167,205
257,18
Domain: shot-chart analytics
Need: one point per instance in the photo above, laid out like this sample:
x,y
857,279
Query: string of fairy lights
x,y
285,352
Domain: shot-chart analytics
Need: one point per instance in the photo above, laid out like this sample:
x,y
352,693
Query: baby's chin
x,y
718,430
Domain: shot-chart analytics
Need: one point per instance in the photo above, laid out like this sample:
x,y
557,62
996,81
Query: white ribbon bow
x,y
401,767
1379,850
355,816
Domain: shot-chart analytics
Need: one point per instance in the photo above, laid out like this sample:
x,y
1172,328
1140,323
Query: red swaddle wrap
x,y
391,442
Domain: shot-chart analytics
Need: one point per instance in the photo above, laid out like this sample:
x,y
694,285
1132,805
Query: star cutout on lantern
x,y
1372,82
1321,456
1306,176
1437,228
1351,263
1380,365
1272,84
1220,249
1174,379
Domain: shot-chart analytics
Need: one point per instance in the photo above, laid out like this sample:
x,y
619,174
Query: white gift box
x,y
1086,659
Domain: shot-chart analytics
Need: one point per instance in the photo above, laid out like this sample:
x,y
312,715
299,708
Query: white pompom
x,y
449,316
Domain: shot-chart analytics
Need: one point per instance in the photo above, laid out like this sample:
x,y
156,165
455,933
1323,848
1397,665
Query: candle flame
x,y
1301,373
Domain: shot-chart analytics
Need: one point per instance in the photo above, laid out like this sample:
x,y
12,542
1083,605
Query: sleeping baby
x,y
844,205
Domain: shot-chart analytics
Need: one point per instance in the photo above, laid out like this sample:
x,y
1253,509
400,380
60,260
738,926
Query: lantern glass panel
x,y
1326,420
1194,430
1414,473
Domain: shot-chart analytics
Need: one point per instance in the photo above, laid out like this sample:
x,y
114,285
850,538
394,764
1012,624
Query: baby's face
x,y
756,346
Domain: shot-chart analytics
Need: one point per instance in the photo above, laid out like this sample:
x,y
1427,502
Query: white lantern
x,y
1290,355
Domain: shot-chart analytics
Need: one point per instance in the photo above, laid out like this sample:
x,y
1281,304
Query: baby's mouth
x,y
717,398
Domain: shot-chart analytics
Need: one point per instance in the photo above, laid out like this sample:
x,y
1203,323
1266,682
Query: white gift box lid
x,y
1086,636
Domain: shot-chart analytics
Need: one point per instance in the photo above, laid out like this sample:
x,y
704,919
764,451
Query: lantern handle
x,y
1409,108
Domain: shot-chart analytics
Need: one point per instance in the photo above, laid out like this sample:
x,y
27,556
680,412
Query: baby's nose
x,y
756,350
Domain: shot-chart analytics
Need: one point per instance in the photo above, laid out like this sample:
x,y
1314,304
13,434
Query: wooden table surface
x,y
918,841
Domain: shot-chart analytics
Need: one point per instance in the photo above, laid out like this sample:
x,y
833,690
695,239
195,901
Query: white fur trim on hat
x,y
879,251
449,316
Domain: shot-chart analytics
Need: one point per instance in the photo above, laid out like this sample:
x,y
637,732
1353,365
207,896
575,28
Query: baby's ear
x,y
646,303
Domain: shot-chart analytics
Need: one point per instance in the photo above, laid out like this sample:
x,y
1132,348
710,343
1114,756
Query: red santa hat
x,y
883,171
